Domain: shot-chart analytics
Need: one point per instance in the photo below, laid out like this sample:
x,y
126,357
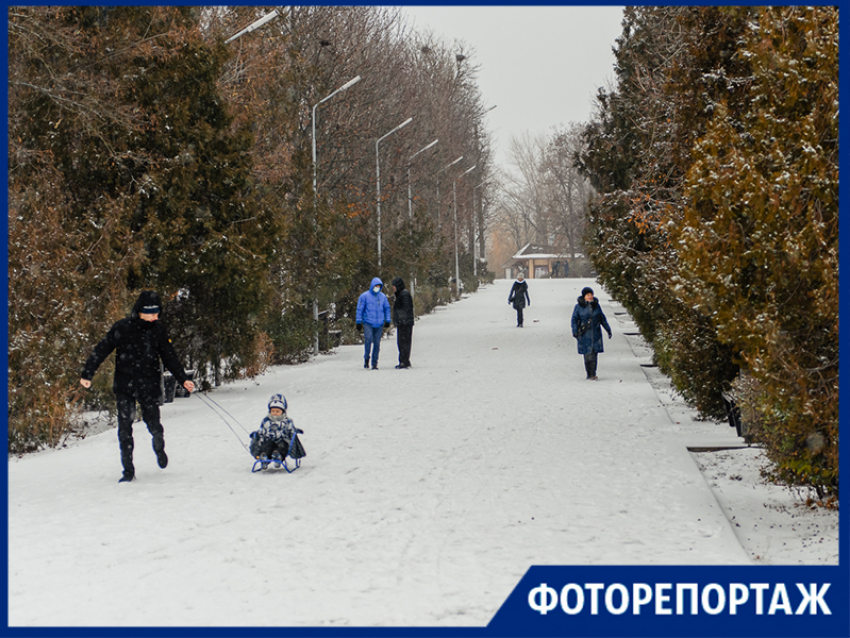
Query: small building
x,y
538,262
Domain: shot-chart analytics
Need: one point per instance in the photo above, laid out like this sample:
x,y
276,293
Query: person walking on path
x,y
518,297
587,323
142,346
403,317
373,315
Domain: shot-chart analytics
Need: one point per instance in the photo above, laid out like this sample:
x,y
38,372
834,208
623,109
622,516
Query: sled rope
x,y
220,411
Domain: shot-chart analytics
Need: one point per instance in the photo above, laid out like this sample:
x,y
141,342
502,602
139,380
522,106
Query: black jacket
x,y
403,314
140,346
519,294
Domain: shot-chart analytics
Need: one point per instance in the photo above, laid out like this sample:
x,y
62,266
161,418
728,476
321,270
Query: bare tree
x,y
525,193
544,200
570,191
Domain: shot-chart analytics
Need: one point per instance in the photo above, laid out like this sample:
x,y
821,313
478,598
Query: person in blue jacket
x,y
587,323
373,315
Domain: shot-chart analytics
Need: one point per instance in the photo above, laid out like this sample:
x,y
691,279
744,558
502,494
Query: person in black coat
x,y
587,323
403,317
519,297
141,342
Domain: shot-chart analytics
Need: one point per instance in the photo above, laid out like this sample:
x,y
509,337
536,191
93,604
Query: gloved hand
x,y
575,336
299,430
386,324
359,327
254,436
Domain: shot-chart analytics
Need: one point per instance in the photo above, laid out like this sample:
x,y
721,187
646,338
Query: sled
x,y
277,463
296,453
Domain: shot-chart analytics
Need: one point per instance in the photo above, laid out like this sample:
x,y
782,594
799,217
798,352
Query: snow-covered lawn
x,y
425,494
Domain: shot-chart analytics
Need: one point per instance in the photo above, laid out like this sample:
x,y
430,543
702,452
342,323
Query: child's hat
x,y
277,401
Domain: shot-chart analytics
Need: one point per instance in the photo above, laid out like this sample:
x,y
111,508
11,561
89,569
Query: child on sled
x,y
277,436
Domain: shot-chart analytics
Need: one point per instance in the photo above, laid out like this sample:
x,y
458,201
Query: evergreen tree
x,y
717,226
70,243
636,155
208,241
759,238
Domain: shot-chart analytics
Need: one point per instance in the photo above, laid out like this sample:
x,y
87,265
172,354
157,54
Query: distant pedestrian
x,y
587,323
403,317
373,315
519,297
142,343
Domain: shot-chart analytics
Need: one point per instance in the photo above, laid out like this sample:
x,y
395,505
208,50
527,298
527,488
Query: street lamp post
x,y
457,259
254,25
474,234
348,84
440,201
409,187
412,281
378,180
478,220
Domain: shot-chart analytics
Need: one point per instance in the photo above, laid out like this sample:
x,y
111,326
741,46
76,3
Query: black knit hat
x,y
586,290
148,303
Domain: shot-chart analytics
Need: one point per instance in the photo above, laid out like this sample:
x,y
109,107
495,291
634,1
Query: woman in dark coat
x,y
142,343
519,297
587,323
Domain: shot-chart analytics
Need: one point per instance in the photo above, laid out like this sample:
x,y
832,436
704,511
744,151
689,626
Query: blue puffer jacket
x,y
591,339
373,309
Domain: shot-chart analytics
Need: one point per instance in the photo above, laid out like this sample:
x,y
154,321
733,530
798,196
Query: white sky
x,y
541,66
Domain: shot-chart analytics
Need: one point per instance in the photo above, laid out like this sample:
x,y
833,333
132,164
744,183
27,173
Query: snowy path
x,y
425,496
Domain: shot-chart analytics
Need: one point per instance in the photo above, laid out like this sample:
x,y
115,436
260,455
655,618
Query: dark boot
x,y
159,449
587,369
127,463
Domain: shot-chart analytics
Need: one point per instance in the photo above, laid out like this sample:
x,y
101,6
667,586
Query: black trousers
x,y
519,315
266,448
126,405
404,338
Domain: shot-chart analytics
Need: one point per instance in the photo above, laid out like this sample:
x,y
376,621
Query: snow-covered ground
x,y
425,494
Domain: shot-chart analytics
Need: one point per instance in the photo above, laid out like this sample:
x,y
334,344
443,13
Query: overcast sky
x,y
541,66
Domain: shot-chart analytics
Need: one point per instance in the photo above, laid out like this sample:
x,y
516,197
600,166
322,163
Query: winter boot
x,y
159,449
127,463
587,369
366,363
